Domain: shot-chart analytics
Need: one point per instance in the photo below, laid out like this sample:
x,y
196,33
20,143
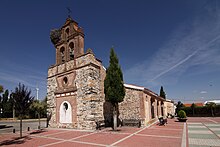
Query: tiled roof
x,y
189,104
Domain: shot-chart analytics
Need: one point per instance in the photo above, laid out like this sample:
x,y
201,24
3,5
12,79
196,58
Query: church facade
x,y
75,87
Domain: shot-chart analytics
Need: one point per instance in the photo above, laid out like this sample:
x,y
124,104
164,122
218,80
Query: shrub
x,y
182,114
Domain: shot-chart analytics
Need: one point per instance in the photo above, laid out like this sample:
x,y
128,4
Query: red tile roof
x,y
189,104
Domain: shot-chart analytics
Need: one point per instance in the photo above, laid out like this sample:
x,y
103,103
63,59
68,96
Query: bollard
x,y
13,130
28,129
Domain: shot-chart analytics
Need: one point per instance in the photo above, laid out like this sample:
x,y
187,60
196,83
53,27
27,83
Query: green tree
x,y
162,93
4,103
179,106
44,103
211,106
114,85
182,114
39,108
193,106
1,89
22,100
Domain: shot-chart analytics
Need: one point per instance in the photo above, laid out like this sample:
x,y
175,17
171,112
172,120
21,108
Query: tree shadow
x,y
5,126
117,130
15,140
178,121
38,131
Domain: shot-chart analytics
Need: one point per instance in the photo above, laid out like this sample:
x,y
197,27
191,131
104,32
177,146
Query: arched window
x,y
62,52
71,49
65,112
67,32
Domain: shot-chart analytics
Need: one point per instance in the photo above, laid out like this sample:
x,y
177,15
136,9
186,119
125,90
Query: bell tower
x,y
68,41
75,83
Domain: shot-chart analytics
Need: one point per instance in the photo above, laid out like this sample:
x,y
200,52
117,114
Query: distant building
x,y
75,87
217,102
190,104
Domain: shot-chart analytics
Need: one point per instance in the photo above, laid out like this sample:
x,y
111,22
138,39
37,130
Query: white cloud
x,y
192,43
203,92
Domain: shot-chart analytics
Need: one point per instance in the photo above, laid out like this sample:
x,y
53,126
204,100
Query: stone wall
x,y
130,108
87,74
89,100
51,101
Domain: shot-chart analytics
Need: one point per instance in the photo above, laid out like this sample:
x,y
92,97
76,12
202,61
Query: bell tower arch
x,y
68,41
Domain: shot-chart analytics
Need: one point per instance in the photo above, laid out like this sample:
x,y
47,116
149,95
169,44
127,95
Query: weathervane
x,y
69,11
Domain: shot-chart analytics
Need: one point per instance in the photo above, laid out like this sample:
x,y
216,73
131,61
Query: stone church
x,y
75,87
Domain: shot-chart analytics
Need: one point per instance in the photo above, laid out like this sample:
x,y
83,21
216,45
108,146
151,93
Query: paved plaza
x,y
197,132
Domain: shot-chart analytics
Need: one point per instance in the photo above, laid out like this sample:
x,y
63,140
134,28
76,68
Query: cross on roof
x,y
69,11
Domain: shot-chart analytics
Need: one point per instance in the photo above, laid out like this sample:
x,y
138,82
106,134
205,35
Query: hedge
x,y
201,111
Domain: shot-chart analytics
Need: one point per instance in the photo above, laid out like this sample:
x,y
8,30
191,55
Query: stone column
x,y
159,109
162,109
148,107
155,108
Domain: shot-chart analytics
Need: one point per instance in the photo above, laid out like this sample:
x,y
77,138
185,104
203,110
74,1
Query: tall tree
x,y
179,106
114,85
193,106
1,89
39,107
6,104
3,101
22,100
162,93
211,106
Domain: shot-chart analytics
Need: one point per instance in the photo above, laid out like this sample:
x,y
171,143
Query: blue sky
x,y
174,44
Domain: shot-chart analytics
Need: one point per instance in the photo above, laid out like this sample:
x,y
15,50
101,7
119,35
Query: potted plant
x,y
182,116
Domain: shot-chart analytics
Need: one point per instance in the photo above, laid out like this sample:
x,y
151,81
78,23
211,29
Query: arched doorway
x,y
65,112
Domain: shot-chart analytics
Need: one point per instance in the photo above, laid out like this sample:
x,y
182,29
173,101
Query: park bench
x,y
162,121
99,124
131,122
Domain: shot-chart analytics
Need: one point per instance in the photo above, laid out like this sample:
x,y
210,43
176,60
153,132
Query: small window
x,y
71,48
65,80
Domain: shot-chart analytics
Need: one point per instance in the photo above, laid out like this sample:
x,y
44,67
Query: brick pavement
x,y
169,135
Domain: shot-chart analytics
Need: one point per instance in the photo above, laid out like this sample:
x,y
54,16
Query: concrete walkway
x,y
204,132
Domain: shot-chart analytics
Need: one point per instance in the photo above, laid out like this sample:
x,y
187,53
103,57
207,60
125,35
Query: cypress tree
x,y
162,93
114,85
